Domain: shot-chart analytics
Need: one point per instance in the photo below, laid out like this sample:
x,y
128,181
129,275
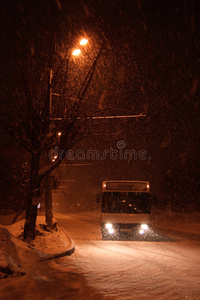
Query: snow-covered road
x,y
164,268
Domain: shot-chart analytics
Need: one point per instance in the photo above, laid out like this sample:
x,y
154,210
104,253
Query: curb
x,y
68,252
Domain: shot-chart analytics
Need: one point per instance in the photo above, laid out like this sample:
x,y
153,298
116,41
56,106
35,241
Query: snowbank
x,y
9,259
15,254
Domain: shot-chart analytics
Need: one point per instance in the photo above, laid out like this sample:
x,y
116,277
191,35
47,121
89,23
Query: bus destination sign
x,y
131,186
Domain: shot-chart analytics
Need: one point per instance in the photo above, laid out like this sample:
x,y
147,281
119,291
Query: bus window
x,y
126,202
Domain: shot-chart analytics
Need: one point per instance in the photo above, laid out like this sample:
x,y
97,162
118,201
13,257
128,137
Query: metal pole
x,y
50,92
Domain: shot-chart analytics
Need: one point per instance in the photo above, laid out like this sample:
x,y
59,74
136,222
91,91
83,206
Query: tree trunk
x,y
48,201
34,194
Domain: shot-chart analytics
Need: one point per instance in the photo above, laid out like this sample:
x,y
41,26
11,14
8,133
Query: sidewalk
x,y
59,246
48,243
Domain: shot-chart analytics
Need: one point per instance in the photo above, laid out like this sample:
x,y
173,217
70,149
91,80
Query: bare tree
x,y
41,70
34,128
42,67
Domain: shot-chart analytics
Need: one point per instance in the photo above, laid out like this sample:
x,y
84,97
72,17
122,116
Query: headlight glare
x,y
144,226
108,225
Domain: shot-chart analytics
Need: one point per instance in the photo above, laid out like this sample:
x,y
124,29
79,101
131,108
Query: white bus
x,y
125,207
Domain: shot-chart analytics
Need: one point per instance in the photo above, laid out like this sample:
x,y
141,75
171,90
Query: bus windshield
x,y
126,202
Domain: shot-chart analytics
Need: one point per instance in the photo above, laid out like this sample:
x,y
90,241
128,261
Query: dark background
x,y
150,65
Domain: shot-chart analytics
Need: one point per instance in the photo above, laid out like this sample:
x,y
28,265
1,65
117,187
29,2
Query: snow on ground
x,y
26,274
164,267
176,221
47,243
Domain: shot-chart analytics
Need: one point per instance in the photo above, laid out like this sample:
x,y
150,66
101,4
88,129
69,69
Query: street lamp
x,y
82,42
76,52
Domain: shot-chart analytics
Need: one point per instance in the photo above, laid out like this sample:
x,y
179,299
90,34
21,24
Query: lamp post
x,y
75,52
48,181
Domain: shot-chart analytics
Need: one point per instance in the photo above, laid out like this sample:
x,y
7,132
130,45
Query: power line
x,y
117,117
106,117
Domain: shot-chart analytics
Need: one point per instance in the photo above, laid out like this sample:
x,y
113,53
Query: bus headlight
x,y
144,226
108,226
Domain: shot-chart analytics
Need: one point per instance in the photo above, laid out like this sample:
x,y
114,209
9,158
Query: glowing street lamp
x,y
76,52
83,42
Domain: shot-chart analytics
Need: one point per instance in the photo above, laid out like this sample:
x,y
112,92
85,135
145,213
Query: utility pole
x,y
48,178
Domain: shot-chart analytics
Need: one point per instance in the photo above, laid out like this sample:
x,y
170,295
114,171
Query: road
x,y
163,267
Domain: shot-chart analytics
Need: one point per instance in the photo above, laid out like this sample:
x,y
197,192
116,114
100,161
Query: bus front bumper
x,y
113,230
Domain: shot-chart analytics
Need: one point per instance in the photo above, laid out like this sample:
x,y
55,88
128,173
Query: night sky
x,y
149,65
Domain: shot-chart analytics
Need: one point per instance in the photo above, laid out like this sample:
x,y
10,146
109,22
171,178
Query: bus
x,y
125,208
